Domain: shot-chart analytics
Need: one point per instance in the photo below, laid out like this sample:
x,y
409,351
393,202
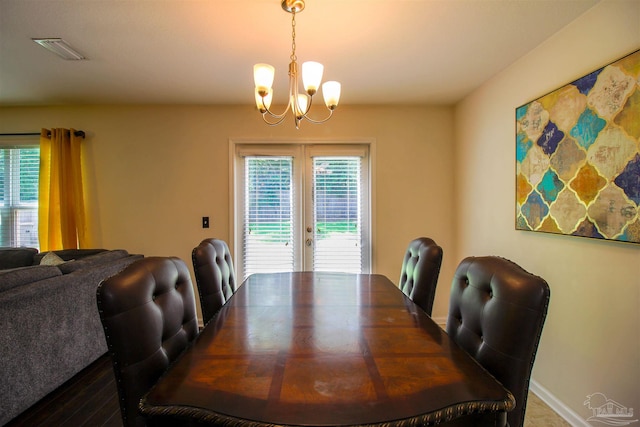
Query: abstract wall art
x,y
578,156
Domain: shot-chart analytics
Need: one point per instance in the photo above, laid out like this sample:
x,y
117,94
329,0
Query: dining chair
x,y
149,317
420,271
215,276
496,313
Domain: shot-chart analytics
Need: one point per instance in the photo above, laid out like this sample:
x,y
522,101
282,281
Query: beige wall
x,y
592,335
154,171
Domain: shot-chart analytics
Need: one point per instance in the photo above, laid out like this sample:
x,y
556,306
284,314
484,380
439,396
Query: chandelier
x,y
299,103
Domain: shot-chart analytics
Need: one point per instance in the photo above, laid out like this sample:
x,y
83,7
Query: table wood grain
x,y
325,349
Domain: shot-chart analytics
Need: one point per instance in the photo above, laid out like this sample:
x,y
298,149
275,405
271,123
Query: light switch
x,y
205,222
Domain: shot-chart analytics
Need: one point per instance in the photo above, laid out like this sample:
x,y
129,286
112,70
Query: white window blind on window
x,y
268,244
19,170
337,209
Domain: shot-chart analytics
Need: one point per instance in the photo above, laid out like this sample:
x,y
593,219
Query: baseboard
x,y
441,321
557,406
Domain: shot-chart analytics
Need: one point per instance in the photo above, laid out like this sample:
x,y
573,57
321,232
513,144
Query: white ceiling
x,y
203,51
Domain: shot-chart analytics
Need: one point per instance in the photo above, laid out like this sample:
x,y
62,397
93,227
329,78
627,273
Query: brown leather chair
x,y
149,317
420,271
215,276
496,313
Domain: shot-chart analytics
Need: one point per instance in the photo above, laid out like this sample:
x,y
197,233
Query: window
x,y
19,169
302,207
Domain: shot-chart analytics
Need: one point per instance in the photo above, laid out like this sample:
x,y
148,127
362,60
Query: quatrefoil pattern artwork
x,y
578,156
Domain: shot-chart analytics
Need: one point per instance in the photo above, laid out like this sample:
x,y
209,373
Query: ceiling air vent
x,y
60,48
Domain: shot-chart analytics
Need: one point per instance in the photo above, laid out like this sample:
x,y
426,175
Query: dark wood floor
x,y
91,399
88,399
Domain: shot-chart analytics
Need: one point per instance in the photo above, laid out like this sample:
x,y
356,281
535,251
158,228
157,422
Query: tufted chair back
x,y
420,271
149,317
215,277
496,314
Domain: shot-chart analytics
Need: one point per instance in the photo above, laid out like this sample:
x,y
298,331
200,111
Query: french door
x,y
302,207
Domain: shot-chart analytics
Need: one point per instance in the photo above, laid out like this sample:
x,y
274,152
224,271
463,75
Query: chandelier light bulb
x,y
311,76
303,103
263,77
331,94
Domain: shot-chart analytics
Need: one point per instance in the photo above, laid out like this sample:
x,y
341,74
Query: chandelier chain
x,y
293,35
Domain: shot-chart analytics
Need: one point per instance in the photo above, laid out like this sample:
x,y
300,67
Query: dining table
x,y
324,349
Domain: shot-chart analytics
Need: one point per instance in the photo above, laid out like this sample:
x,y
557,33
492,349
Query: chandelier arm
x,y
293,90
272,114
275,123
306,117
293,81
309,105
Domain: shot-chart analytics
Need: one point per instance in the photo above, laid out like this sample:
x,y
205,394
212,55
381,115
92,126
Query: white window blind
x,y
19,170
337,209
268,242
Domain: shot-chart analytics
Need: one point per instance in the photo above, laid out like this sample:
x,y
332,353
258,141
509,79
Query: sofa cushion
x,y
93,260
16,257
20,276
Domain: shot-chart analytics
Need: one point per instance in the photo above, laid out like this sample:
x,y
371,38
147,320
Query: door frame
x,y
235,144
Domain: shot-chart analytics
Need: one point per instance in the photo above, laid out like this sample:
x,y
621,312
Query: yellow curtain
x,y
61,210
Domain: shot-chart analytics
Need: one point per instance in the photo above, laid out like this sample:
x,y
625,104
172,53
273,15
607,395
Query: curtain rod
x,y
76,133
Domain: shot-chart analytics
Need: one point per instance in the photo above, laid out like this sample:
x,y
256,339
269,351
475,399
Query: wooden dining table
x,y
325,349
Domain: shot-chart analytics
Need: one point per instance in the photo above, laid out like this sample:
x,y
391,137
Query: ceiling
x,y
203,51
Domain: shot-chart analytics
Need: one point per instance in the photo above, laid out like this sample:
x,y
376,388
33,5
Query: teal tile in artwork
x,y
523,144
534,209
521,112
588,127
550,185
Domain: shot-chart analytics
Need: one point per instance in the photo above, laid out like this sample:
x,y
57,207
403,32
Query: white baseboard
x,y
557,406
441,321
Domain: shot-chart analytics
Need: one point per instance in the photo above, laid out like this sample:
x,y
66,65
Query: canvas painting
x,y
578,156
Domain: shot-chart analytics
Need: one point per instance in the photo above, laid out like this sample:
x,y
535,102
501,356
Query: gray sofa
x,y
51,328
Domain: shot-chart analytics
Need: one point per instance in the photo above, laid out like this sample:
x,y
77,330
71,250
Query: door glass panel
x,y
337,212
268,244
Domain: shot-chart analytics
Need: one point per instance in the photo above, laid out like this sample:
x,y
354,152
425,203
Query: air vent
x,y
60,48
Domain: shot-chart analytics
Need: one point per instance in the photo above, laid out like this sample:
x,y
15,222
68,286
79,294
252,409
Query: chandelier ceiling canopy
x,y
299,102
